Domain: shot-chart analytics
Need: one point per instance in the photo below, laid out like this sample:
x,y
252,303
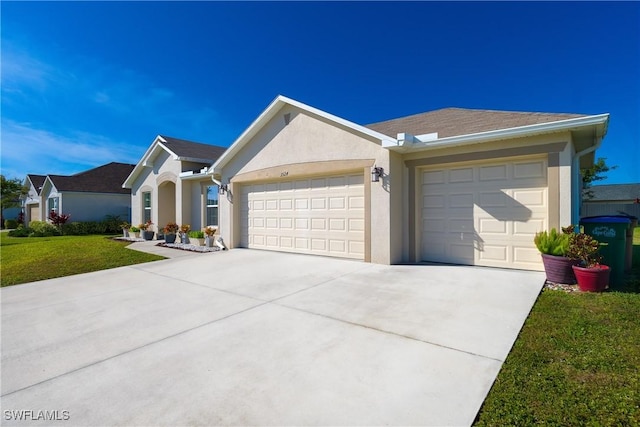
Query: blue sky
x,y
87,83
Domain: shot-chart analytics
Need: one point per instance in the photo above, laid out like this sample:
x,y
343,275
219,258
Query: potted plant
x,y
196,237
146,233
135,230
125,228
184,230
210,231
590,274
170,231
553,247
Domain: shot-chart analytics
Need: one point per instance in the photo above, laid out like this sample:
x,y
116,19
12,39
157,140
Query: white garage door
x,y
484,213
322,216
34,212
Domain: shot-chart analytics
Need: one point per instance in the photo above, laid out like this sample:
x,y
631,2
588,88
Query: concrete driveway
x,y
249,337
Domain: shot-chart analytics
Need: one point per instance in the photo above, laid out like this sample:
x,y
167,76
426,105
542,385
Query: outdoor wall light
x,y
223,189
376,173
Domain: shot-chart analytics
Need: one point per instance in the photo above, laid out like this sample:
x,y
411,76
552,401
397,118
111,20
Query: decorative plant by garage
x,y
170,231
210,231
554,247
146,233
590,274
184,230
197,236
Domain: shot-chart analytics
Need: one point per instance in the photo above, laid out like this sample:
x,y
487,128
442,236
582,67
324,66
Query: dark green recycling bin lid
x,y
611,232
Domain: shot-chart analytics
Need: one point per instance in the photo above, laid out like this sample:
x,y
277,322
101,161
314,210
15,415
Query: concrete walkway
x,y
247,337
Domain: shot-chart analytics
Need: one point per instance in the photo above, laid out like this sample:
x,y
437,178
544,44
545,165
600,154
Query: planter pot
x,y
558,269
595,279
197,241
135,234
184,239
159,236
125,232
209,241
170,238
148,235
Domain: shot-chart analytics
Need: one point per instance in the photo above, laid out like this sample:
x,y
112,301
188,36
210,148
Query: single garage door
x,y
484,213
321,216
34,212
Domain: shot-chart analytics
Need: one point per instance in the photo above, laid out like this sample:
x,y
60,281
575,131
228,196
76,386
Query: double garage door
x,y
321,216
484,213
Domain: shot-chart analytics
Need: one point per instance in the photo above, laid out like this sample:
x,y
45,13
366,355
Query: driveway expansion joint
x,y
390,332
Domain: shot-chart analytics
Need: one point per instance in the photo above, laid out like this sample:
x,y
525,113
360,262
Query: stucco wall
x,y
181,197
95,206
311,141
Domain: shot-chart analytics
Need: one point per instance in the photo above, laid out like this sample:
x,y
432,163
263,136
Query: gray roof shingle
x,y
37,181
103,179
461,121
615,192
194,150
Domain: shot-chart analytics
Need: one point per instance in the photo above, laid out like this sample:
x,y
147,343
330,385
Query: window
x,y
212,205
146,204
52,203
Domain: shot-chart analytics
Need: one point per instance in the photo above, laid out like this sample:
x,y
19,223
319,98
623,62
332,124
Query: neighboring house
x,y
613,199
33,209
453,185
89,195
170,184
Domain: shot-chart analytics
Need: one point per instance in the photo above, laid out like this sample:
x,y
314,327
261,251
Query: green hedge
x,y
45,229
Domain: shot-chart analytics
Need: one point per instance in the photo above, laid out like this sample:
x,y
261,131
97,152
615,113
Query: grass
x,y
27,259
576,361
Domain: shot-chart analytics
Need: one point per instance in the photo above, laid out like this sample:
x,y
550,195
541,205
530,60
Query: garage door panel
x,y
530,198
494,253
490,219
527,170
322,216
493,173
461,175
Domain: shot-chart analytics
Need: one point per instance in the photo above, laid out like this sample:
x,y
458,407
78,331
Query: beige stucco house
x,y
453,185
170,184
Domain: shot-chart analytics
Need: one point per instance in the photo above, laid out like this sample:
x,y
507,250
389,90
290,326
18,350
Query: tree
x,y
592,174
10,192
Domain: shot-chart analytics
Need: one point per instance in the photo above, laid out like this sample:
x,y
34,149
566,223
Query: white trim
x,y
425,142
271,110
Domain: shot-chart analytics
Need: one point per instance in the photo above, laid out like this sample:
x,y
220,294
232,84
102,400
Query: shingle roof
x,y
615,192
461,121
103,179
194,150
37,181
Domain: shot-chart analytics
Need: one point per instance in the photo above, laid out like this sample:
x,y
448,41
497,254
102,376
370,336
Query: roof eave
x,y
518,132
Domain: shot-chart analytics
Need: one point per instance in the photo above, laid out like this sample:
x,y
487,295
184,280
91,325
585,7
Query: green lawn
x,y
27,259
576,361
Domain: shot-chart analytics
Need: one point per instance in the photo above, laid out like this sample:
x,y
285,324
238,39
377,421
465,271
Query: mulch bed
x,y
189,247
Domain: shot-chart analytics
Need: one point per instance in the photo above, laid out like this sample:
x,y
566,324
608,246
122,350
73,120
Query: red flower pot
x,y
593,279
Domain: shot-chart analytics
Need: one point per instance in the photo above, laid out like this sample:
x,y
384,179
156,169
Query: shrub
x,y
21,231
196,234
552,243
10,223
42,229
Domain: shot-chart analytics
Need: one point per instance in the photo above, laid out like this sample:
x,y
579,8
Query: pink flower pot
x,y
594,279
